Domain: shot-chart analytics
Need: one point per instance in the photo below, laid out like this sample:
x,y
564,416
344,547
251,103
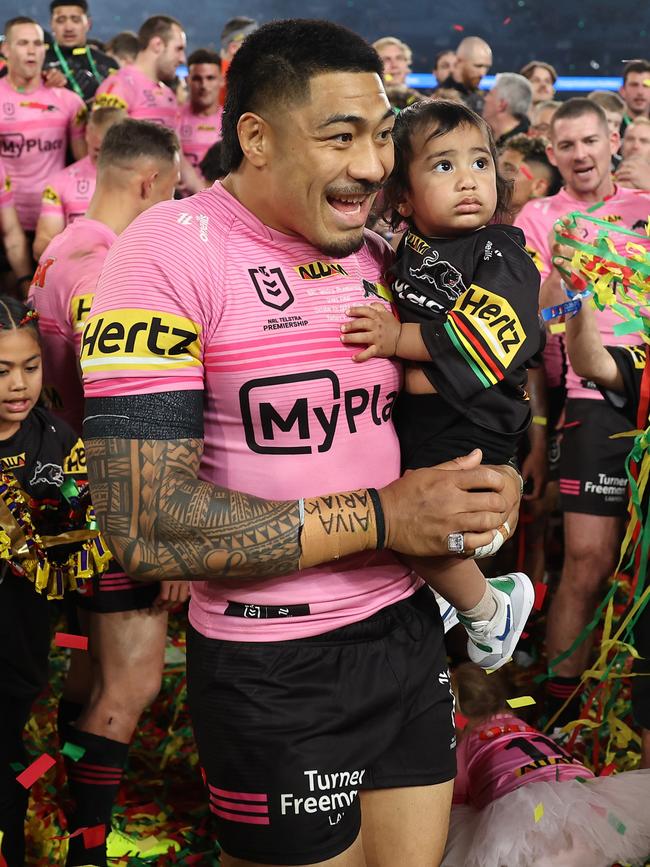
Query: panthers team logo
x,y
441,274
47,474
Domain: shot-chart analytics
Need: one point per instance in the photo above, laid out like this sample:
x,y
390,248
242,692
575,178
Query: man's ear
x,y
254,133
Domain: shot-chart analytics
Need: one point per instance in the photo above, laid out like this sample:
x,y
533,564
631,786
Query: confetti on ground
x,y
72,751
66,639
521,701
539,812
35,771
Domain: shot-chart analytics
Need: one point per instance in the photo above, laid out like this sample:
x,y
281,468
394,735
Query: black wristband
x,y
379,518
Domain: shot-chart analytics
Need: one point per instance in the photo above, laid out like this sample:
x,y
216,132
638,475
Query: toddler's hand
x,y
376,327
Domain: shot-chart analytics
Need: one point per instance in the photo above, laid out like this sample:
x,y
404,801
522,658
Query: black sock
x,y
94,782
67,713
558,690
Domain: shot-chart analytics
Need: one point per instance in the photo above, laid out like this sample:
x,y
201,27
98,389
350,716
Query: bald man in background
x,y
474,60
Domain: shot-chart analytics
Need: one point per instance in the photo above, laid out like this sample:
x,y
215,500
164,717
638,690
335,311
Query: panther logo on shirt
x,y
47,474
441,274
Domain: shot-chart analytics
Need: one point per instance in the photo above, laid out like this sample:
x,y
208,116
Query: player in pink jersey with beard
x,y
139,87
221,404
69,192
520,799
125,620
593,482
37,123
12,235
201,115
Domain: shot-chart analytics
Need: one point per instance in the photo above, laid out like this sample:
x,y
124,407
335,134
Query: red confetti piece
x,y
607,770
507,20
35,771
540,594
525,635
458,27
94,836
65,639
461,721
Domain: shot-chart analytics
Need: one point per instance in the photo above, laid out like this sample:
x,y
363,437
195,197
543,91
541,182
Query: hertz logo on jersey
x,y
110,100
79,309
319,270
131,339
76,460
50,195
485,329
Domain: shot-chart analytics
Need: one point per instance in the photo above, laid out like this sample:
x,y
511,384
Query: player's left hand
x,y
54,78
172,594
376,327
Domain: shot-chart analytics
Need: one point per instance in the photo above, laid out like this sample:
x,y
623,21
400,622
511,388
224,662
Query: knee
x,y
587,566
128,693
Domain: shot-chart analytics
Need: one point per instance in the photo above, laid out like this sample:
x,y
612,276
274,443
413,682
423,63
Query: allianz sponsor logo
x,y
309,424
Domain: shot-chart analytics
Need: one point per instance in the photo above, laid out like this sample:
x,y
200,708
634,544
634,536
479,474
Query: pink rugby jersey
x,y
62,291
629,209
6,193
198,133
129,88
199,294
505,753
69,192
35,130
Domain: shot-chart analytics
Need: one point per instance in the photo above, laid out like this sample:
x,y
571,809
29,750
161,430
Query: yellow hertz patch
x,y
638,353
81,116
76,460
79,309
537,259
51,196
11,462
319,270
132,339
416,243
109,100
491,318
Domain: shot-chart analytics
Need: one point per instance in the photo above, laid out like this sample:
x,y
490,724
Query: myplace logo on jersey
x,y
271,287
12,145
276,423
132,339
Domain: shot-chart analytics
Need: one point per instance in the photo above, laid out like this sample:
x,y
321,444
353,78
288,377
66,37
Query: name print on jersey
x,y
273,424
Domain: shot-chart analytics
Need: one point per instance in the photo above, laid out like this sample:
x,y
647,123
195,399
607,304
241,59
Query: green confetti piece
x,y
616,823
17,767
629,327
69,489
72,751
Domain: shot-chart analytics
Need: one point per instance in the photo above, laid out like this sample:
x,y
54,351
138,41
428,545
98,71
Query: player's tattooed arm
x,y
161,522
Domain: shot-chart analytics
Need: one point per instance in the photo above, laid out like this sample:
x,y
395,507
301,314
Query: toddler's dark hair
x,y
445,116
15,314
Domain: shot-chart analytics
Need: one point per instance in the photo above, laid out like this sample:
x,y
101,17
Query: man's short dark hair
x,y
533,150
124,44
579,106
639,65
210,165
130,139
82,4
157,25
202,55
14,22
277,62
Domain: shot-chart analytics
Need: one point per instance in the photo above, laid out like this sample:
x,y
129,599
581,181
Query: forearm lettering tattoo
x,y
161,522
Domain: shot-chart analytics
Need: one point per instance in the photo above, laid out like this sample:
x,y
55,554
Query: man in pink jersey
x,y
221,404
139,87
593,483
12,235
126,620
69,192
37,123
201,115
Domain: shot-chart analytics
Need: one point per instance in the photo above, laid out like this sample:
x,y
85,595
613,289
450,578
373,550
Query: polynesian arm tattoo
x,y
161,522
